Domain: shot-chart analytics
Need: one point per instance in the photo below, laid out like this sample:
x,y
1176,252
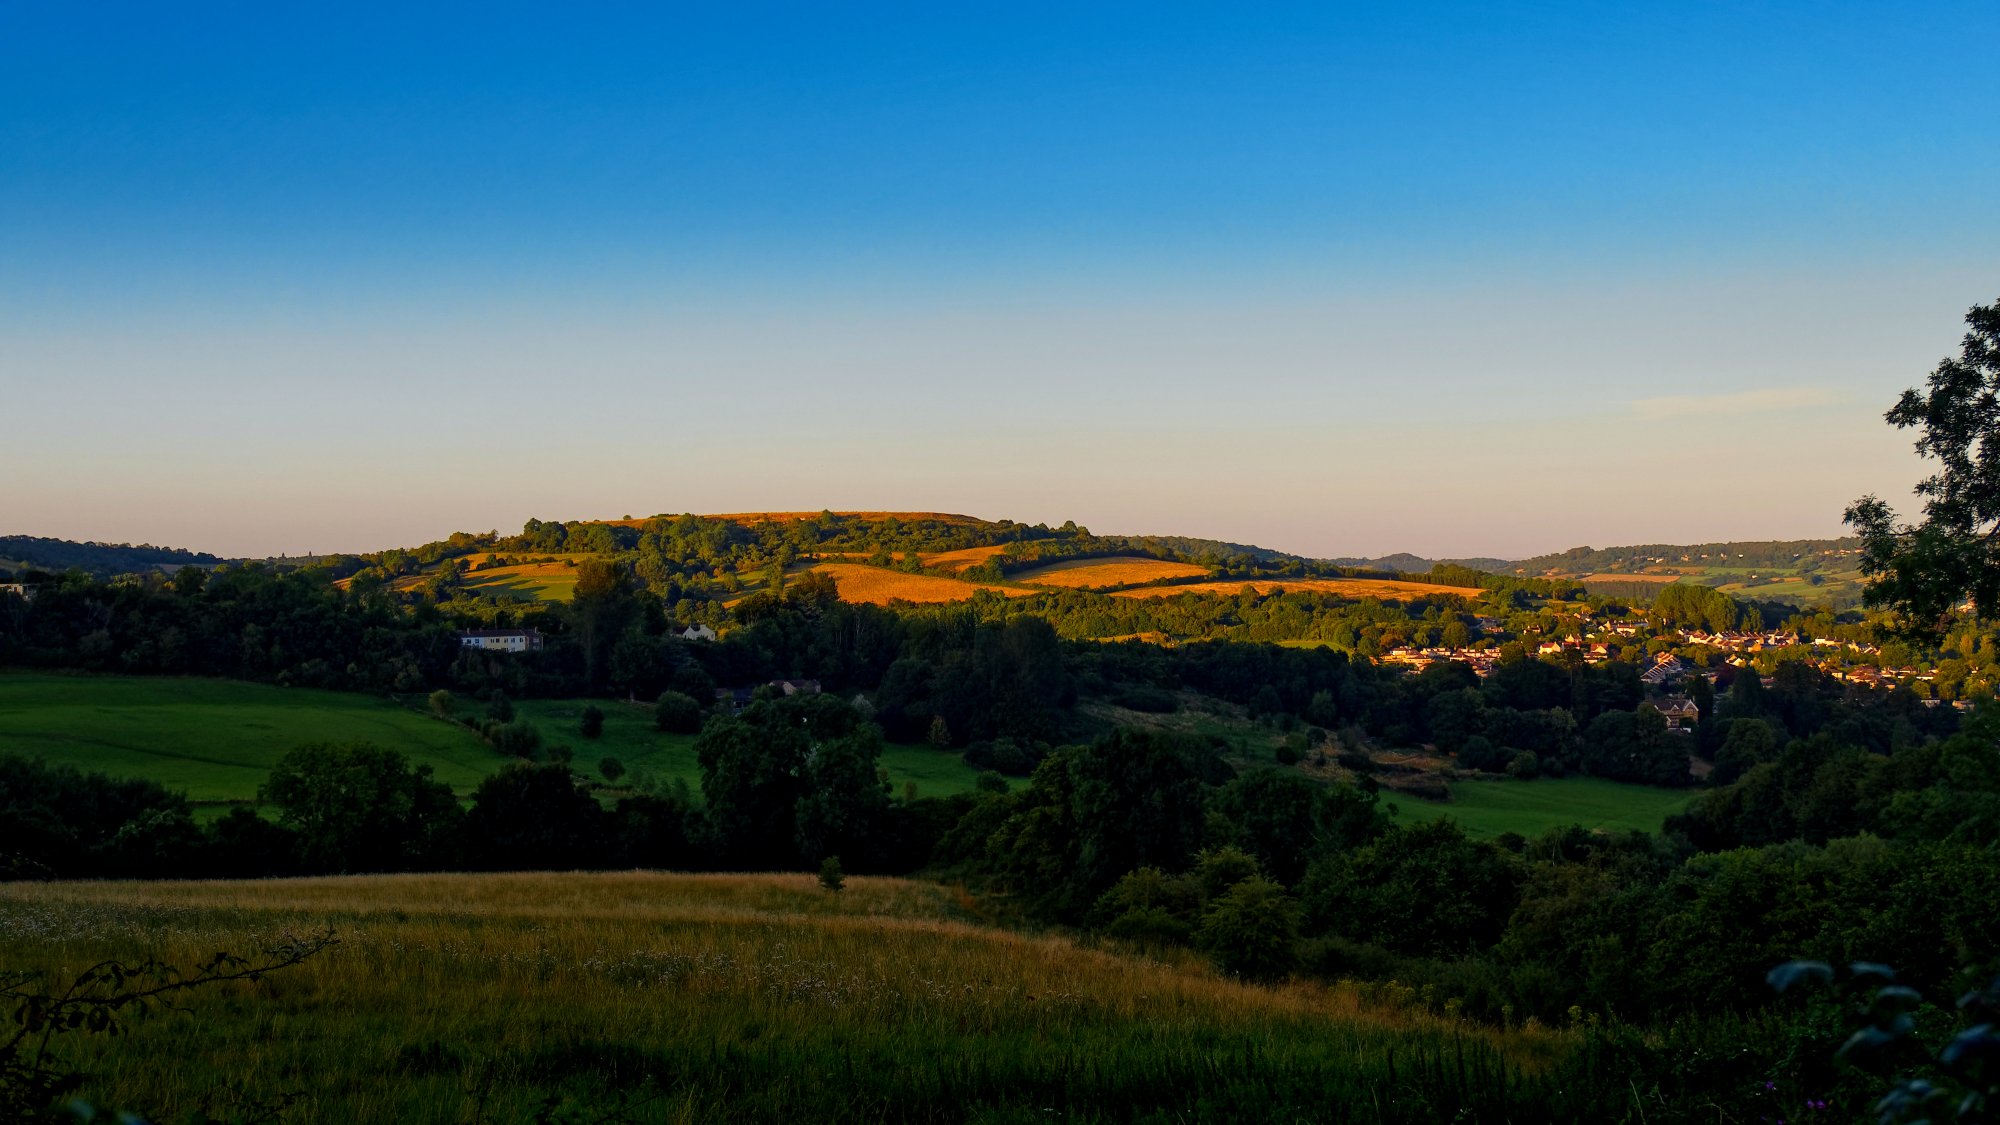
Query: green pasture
x,y
216,740
1488,808
525,587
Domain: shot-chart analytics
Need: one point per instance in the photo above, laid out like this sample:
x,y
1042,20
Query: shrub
x,y
831,877
1252,931
442,703
1149,699
518,738
591,724
499,708
611,768
1524,766
677,713
1150,926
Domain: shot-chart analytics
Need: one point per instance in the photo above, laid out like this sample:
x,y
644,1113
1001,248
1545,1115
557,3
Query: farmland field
x,y
961,559
216,740
877,586
1085,574
630,737
531,582
1488,808
1387,588
757,998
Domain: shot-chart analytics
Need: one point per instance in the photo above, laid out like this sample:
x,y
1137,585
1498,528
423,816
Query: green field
x,y
629,737
216,740
645,997
1488,808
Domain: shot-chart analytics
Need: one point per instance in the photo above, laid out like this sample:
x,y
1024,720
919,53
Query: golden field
x,y
1092,574
877,586
961,559
1385,588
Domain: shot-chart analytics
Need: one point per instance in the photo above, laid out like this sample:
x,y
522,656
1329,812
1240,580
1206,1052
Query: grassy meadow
x,y
1488,808
629,736
216,740
753,998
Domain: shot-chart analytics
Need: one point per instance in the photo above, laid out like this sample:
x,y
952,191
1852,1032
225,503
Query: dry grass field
x,y
685,998
1622,576
961,559
1384,588
1094,574
880,587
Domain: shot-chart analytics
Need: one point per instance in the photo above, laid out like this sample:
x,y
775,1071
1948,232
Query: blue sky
x,y
1454,279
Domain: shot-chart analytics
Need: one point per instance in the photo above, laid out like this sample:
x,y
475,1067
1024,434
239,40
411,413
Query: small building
x,y
739,698
23,590
697,633
502,640
1669,667
1679,711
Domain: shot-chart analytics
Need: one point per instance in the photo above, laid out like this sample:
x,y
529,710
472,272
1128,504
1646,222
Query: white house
x,y
697,633
502,640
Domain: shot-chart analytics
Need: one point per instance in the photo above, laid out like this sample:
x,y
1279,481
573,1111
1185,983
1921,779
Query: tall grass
x,y
740,998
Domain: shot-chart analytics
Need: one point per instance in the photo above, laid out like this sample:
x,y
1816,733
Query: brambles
x,y
32,1073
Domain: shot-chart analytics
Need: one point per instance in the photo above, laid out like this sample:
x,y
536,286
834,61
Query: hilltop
x,y
960,554
99,560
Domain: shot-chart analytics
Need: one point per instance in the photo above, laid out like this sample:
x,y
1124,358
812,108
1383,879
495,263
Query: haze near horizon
x,y
1461,282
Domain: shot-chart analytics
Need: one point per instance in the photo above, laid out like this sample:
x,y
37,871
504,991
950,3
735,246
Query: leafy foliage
x,y
1923,570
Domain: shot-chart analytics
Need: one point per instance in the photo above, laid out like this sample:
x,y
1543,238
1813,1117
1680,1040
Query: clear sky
x,y
1338,279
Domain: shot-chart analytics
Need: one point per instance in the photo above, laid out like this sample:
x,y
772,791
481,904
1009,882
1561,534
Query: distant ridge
x,y
1407,563
101,560
795,517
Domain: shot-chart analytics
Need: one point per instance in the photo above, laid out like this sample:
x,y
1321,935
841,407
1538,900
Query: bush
x,y
519,738
1151,927
442,703
499,708
831,877
677,713
1007,756
1252,931
611,769
1148,699
591,724
1525,766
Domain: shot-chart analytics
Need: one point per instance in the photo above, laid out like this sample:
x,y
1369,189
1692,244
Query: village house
x,y
502,640
697,633
1666,669
739,698
23,590
1679,711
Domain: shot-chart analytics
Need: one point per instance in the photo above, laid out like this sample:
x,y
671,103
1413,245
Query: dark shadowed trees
x,y
358,807
1923,571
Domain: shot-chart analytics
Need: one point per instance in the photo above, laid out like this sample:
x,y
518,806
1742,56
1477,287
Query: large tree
x,y
1922,572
